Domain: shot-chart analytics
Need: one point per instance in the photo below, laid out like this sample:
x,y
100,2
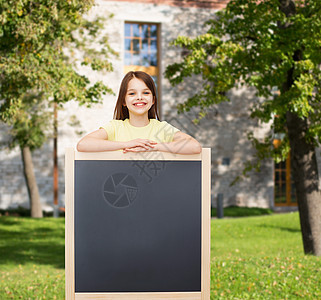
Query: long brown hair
x,y
121,111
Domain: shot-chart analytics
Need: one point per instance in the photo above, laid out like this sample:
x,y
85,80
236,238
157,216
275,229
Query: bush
x,y
25,212
236,211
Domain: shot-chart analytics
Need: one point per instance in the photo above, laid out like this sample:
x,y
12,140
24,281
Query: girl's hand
x,y
139,145
136,149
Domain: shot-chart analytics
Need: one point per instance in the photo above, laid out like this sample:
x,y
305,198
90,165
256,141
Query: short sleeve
x,y
110,129
168,132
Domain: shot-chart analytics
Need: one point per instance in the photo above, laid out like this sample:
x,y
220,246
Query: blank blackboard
x,y
136,226
152,244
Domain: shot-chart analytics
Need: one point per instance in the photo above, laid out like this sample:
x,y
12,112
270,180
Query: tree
x,y
270,45
42,43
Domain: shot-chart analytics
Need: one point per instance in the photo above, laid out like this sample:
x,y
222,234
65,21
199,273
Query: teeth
x,y
140,104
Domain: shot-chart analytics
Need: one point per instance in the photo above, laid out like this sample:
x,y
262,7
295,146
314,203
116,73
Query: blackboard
x,y
136,226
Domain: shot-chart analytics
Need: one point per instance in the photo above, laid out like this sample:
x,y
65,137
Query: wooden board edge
x,y
118,155
69,225
141,296
71,156
206,223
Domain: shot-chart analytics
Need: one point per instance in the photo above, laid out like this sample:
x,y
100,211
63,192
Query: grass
x,y
251,258
32,258
262,258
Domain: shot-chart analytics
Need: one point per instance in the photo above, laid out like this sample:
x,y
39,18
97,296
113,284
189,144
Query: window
x,y
226,161
284,190
141,48
141,51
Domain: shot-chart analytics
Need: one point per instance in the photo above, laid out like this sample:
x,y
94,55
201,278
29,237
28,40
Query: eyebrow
x,y
135,90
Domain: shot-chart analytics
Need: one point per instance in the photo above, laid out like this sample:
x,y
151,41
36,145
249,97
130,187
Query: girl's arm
x,y
182,144
97,141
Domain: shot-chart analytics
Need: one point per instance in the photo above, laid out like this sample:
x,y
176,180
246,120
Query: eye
x,y
131,94
147,93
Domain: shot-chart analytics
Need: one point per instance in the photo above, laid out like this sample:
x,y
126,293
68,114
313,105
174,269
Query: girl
x,y
135,127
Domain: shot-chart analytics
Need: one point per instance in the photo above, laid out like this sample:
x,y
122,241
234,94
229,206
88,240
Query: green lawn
x,y
262,258
251,258
32,258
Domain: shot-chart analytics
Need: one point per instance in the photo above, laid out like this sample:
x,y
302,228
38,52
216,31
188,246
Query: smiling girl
x,y
136,126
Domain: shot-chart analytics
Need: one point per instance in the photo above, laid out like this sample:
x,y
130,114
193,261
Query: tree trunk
x,y
306,180
55,164
303,160
35,205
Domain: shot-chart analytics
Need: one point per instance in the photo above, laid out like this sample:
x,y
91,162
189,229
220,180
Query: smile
x,y
140,104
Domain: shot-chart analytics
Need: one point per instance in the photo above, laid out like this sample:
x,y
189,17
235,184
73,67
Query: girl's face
x,y
139,98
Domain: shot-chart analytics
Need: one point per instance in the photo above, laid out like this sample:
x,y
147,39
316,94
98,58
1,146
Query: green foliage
x,y
29,122
238,211
259,44
41,45
25,212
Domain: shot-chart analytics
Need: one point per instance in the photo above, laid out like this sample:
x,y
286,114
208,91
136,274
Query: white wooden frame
x,y
71,156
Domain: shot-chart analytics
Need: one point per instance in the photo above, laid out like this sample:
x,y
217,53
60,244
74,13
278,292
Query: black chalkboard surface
x,y
137,226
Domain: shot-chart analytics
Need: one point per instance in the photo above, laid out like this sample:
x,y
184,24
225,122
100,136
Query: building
x,y
141,31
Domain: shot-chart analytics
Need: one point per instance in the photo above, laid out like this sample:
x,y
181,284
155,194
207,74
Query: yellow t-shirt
x,y
123,131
